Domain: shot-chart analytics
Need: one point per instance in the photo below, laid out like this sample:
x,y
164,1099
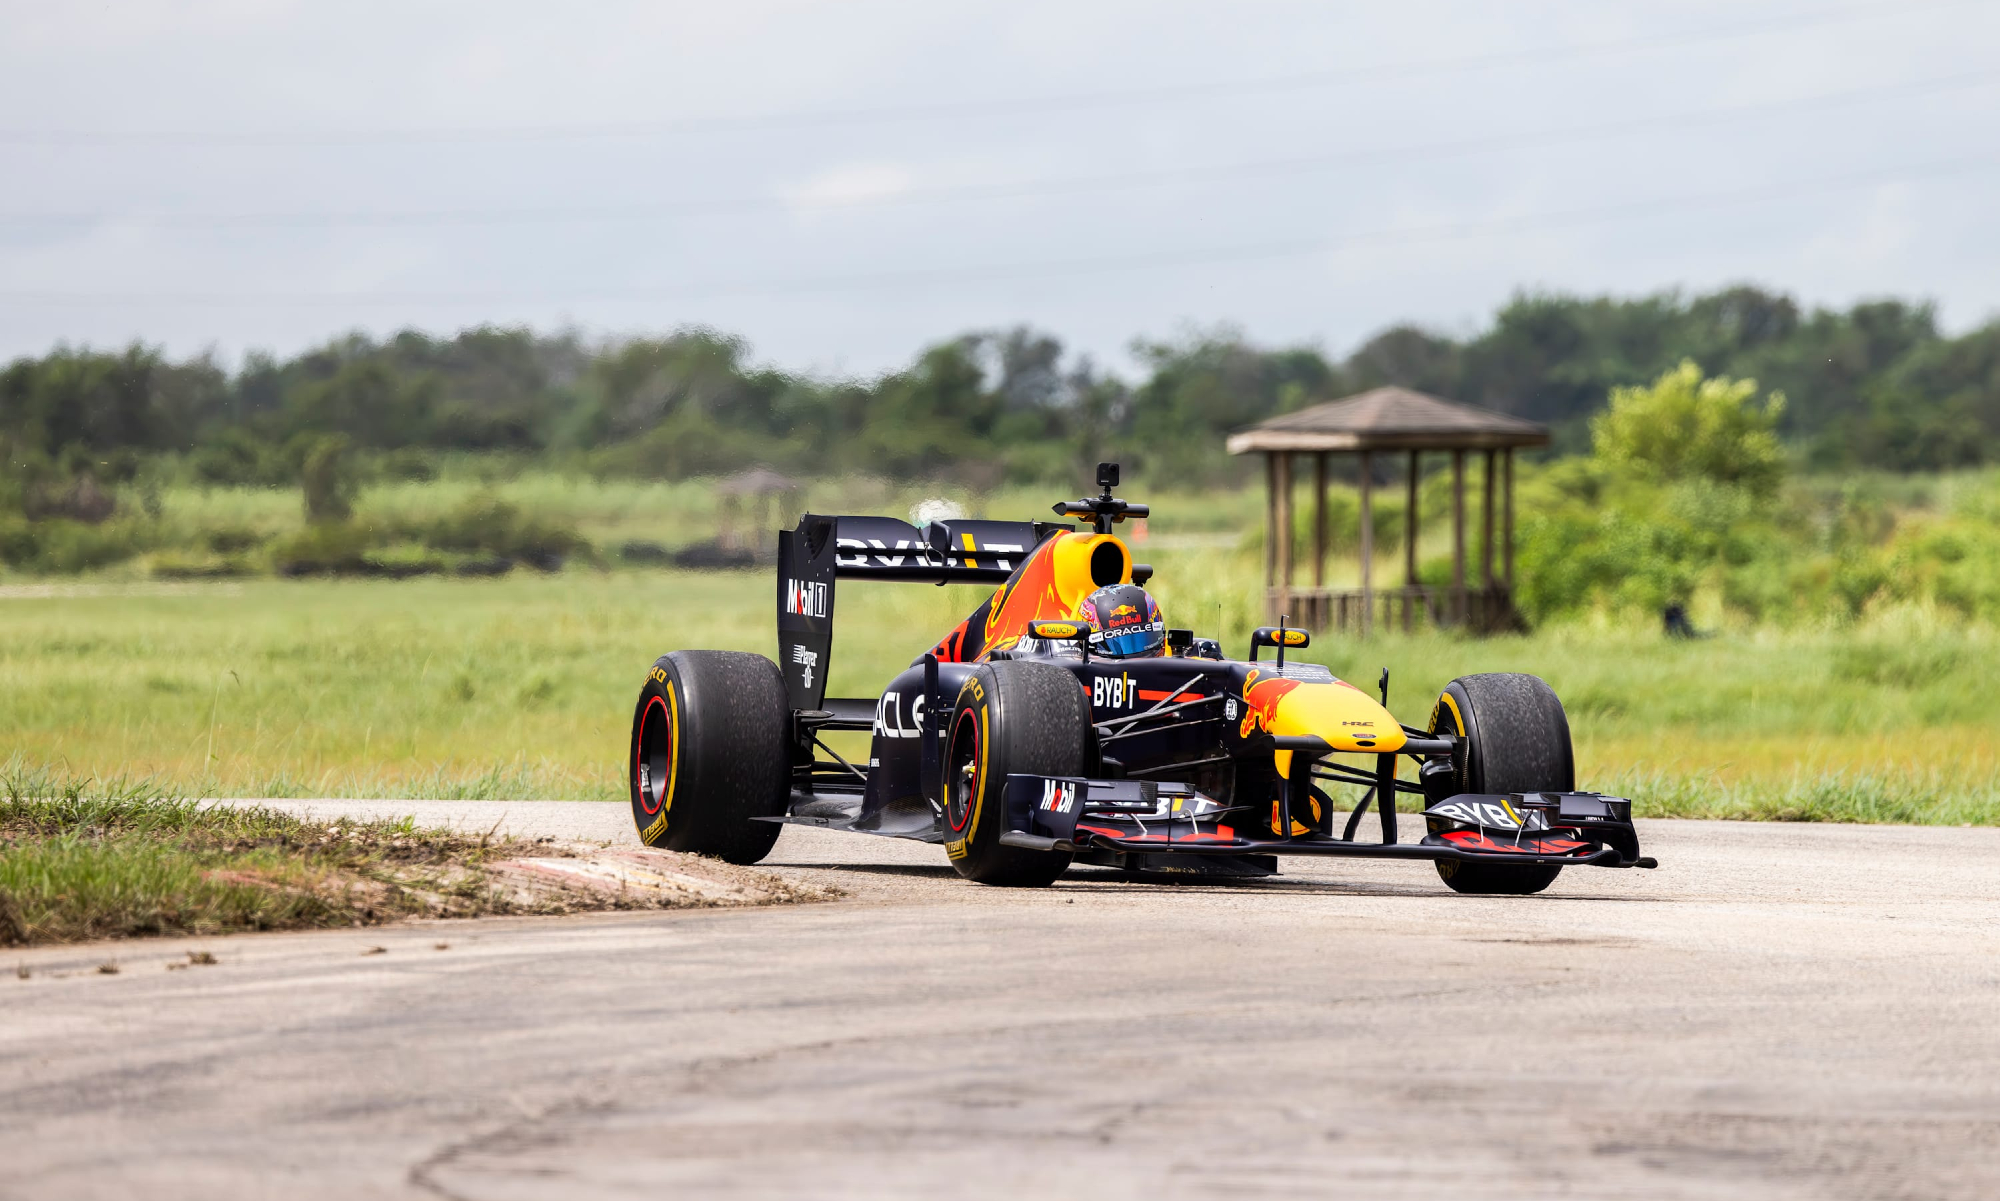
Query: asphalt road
x,y
1778,1012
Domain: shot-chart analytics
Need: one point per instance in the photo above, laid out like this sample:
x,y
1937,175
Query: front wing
x,y
1160,818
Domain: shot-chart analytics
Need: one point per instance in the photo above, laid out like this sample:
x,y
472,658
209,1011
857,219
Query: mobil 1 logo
x,y
1058,796
806,598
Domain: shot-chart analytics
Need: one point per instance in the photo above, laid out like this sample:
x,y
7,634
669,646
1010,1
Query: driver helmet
x,y
1125,623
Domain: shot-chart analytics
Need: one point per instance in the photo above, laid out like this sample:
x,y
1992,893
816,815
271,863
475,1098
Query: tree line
x,y
1877,385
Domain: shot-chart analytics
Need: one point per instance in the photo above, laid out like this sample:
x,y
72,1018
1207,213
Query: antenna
x,y
1282,619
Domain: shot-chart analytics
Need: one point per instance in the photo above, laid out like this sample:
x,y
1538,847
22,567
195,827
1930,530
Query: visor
x,y
1130,641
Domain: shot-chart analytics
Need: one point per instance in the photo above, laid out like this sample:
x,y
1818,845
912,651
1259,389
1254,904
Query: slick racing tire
x,y
1010,717
710,755
1515,739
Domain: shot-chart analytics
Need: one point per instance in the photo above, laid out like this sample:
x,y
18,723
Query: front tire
x,y
710,755
1515,738
1010,717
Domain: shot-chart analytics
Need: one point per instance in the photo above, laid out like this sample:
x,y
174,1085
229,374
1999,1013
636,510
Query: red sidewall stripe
x,y
650,797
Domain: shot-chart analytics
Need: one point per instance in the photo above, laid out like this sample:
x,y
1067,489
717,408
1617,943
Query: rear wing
x,y
825,549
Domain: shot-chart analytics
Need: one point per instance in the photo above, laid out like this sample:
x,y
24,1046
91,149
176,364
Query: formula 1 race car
x,y
1064,722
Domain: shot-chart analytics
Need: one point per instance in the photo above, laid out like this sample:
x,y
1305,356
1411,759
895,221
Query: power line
x,y
71,138
1263,168
1246,252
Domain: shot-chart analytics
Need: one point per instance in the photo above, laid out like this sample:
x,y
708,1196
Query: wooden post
x,y
1367,544
1507,523
1457,535
1284,531
1270,522
1487,482
1412,526
1319,520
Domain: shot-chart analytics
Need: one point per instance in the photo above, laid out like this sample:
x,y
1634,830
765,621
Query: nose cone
x,y
1347,718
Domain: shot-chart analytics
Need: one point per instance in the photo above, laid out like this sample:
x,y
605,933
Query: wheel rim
x,y
962,773
653,762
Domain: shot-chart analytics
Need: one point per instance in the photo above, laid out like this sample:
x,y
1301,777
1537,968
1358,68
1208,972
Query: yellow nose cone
x,y
1346,717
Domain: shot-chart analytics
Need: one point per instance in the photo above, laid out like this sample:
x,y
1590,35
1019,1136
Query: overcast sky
x,y
843,183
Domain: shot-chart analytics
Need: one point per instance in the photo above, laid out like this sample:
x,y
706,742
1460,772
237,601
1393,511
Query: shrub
x,y
237,458
64,547
490,526
324,548
409,465
1685,427
20,545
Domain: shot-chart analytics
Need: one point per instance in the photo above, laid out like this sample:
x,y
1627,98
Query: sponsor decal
x,y
1113,692
1058,796
653,831
806,598
889,716
658,675
1229,709
1099,637
807,660
874,552
1490,814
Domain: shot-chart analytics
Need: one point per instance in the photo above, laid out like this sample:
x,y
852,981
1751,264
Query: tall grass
x,y
524,687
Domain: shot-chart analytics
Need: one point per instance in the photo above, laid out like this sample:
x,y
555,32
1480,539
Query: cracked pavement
x,y
1778,1012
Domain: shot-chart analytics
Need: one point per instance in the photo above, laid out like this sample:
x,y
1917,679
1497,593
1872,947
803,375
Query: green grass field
x,y
523,687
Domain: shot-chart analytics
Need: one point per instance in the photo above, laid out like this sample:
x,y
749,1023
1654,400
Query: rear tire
x,y
710,754
1010,717
1515,738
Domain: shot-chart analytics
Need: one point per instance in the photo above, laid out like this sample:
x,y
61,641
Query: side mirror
x,y
1283,638
1059,631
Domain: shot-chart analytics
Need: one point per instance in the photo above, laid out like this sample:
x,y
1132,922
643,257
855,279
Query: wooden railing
x,y
1349,610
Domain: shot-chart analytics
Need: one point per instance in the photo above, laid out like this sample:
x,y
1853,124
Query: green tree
x,y
1686,427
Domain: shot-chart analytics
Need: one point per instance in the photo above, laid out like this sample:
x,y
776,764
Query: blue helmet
x,y
1125,623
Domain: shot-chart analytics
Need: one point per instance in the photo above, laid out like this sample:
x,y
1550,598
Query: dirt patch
x,y
75,867
641,877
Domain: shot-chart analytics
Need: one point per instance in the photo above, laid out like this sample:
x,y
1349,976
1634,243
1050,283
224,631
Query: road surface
x,y
1778,1012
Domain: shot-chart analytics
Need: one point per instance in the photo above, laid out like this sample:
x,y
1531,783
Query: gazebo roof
x,y
1389,419
757,481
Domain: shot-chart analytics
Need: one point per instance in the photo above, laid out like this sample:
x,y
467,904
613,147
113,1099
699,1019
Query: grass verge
x,y
82,859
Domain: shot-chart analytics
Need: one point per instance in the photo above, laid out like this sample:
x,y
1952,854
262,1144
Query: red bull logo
x,y
1261,694
1123,615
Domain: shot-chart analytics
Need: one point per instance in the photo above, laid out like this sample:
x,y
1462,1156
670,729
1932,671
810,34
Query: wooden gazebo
x,y
1392,421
